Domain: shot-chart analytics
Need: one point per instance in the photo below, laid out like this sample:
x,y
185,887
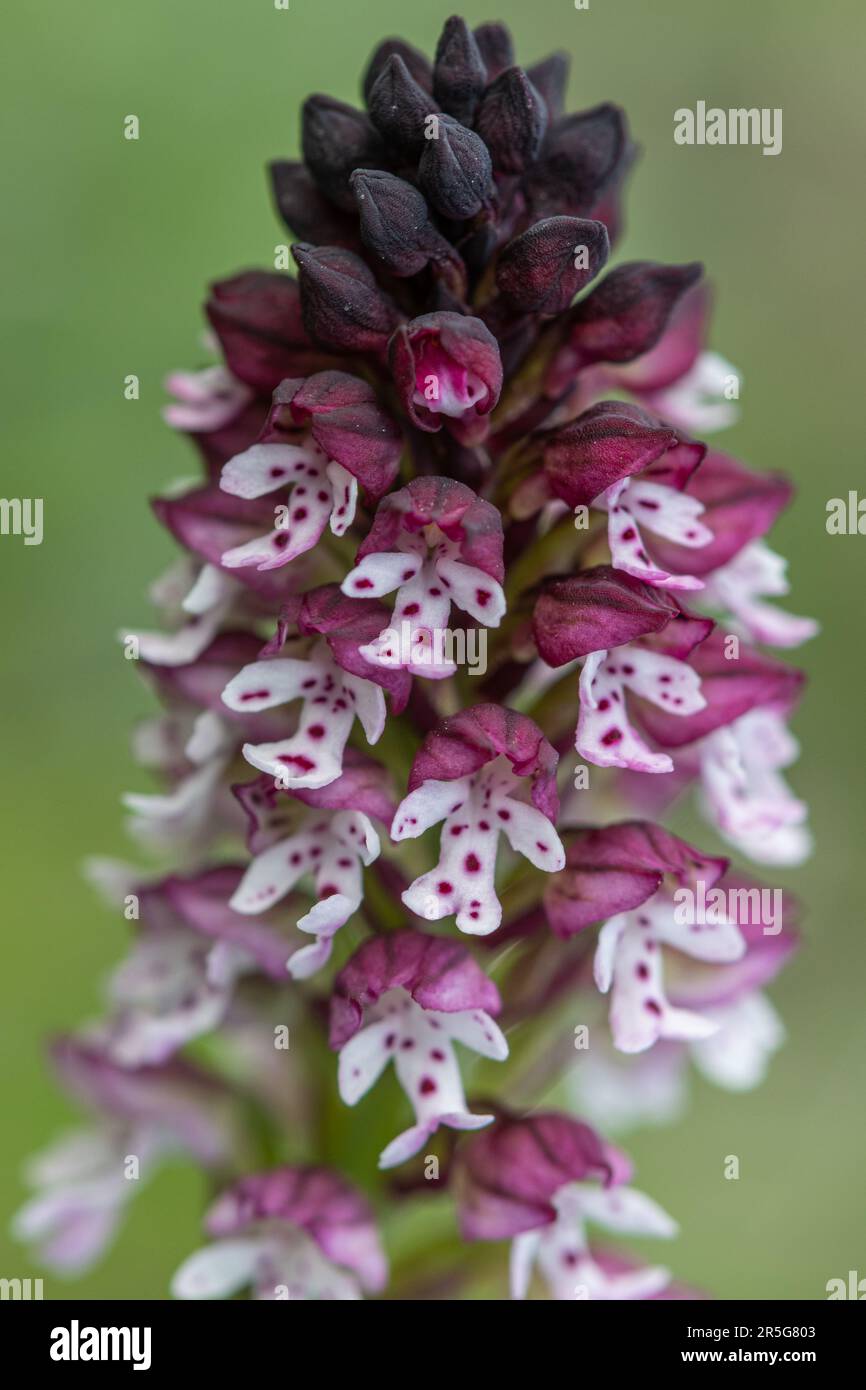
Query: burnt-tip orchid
x,y
83,1183
321,438
744,793
636,642
291,1233
618,459
540,1182
436,543
331,701
618,1091
463,415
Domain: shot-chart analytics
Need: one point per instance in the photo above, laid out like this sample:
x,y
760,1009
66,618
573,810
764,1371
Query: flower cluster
x,y
454,414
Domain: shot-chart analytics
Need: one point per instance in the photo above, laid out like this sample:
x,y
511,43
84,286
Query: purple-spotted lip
x,y
732,685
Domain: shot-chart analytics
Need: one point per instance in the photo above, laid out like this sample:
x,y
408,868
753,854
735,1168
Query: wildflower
x,y
466,774
459,364
618,1092
619,459
408,999
634,639
179,980
84,1183
743,792
629,867
436,543
447,370
287,1234
331,701
331,841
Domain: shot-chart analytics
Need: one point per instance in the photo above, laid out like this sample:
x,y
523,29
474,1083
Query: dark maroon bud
x,y
628,312
417,63
336,139
512,120
545,267
305,211
343,307
257,318
550,78
395,222
455,170
582,155
348,425
496,48
516,336
449,294
399,107
460,74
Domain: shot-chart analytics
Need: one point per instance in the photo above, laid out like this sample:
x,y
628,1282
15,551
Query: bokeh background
x,y
109,246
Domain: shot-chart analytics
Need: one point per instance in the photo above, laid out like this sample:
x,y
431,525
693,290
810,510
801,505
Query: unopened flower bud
x,y
257,317
343,307
455,170
583,154
627,314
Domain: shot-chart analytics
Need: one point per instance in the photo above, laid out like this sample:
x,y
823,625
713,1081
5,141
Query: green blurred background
x,y
110,246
